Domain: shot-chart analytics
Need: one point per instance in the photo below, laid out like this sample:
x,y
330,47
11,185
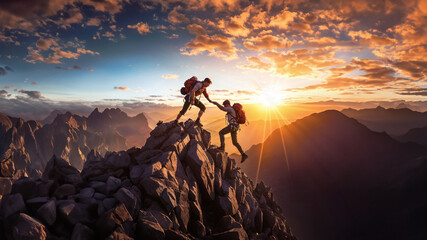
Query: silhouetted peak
x,y
380,108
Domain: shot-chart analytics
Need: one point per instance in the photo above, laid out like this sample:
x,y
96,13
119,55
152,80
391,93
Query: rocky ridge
x,y
177,186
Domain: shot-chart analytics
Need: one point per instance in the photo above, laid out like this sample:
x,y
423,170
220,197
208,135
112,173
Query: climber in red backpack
x,y
193,88
235,116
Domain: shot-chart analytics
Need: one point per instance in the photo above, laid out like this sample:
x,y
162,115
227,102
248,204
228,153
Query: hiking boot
x,y
175,122
221,148
198,123
159,123
244,157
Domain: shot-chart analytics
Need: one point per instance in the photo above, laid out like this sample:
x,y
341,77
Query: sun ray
x,y
285,152
262,148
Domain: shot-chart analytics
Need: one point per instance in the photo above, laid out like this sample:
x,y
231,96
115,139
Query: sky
x,y
80,54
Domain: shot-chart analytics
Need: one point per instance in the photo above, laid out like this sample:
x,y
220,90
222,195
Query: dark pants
x,y
187,104
233,130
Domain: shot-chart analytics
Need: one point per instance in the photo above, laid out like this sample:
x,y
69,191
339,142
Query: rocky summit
x,y
177,186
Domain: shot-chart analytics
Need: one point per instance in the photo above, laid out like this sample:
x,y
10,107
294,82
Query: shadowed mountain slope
x,y
344,181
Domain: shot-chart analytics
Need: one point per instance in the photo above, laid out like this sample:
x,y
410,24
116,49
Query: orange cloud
x,y
256,64
266,42
283,19
217,45
370,39
175,17
141,27
122,88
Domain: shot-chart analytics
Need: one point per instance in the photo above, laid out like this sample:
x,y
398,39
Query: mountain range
x,y
26,146
394,121
340,180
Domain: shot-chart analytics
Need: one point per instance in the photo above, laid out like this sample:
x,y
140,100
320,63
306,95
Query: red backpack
x,y
241,116
188,85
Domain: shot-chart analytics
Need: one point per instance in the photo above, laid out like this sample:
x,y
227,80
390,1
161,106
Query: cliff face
x,y
25,147
177,186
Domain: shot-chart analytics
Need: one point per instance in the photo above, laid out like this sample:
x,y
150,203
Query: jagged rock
x,y
128,199
26,227
227,203
113,184
196,212
218,180
118,236
64,191
202,166
112,219
174,235
148,227
73,213
206,138
146,155
241,193
5,185
7,168
232,234
117,159
178,191
226,223
61,171
47,212
82,232
259,221
12,203
162,219
182,210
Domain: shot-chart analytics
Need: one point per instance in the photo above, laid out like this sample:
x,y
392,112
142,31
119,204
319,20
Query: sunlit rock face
x,y
177,186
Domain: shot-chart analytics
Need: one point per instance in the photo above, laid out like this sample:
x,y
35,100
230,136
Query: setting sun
x,y
271,96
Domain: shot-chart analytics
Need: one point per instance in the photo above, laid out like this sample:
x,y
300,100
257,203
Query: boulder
x,y
47,212
206,138
110,220
64,191
153,186
7,168
218,180
202,167
118,159
128,199
82,232
118,236
108,203
26,187
61,171
148,227
12,203
72,212
26,227
259,221
241,193
113,184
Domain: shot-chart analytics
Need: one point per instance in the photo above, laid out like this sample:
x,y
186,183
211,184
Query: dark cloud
x,y
32,94
8,68
2,71
33,83
414,91
3,93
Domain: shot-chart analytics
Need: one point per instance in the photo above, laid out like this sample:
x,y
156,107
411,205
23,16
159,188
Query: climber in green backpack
x,y
193,88
235,116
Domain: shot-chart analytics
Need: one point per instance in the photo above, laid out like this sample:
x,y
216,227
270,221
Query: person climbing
x,y
191,92
232,127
